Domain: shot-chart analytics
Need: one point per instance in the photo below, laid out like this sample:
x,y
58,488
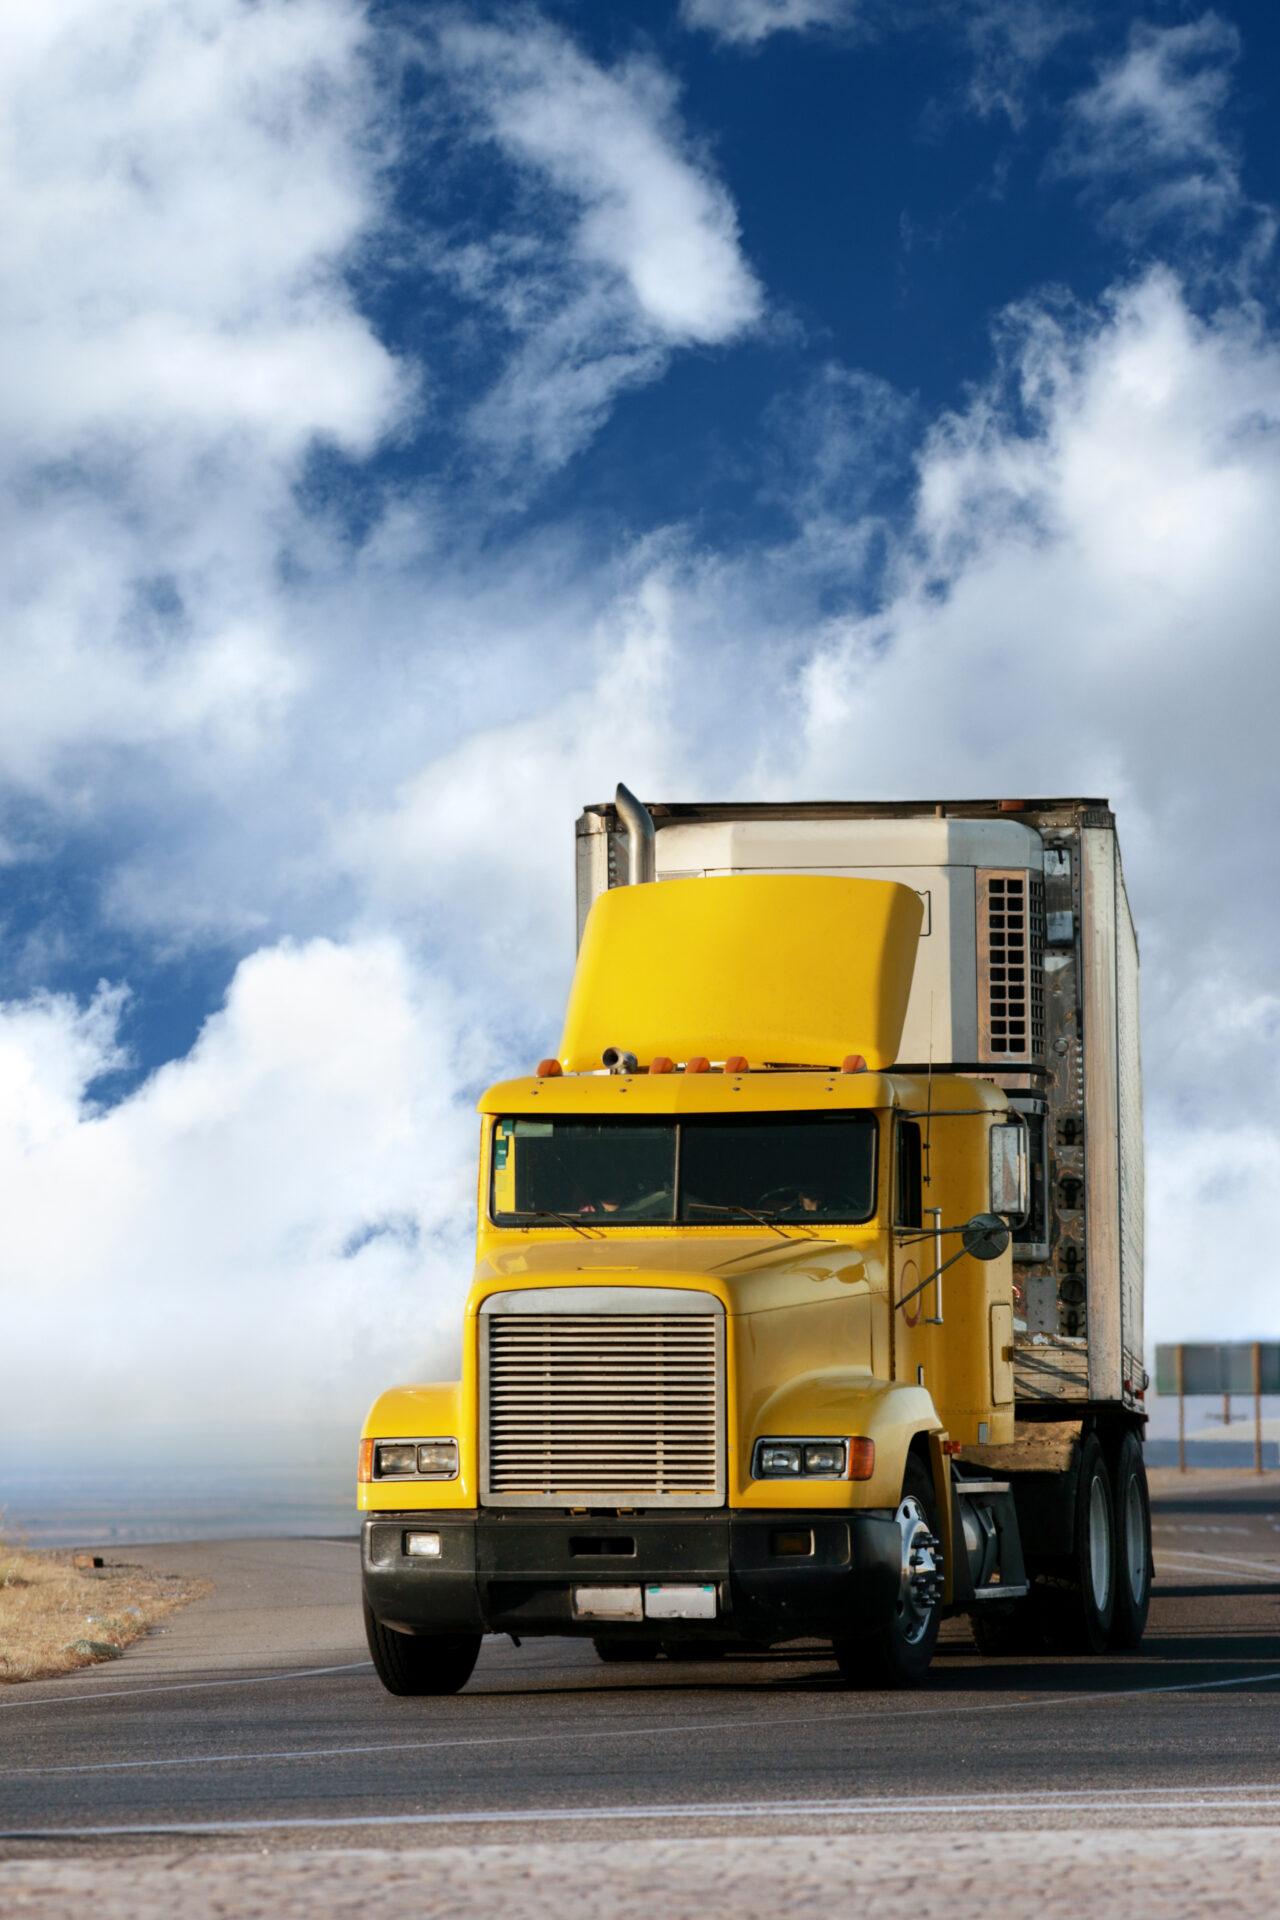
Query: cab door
x,y
916,1299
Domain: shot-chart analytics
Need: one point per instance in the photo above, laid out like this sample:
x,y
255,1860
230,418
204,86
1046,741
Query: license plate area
x,y
681,1603
607,1603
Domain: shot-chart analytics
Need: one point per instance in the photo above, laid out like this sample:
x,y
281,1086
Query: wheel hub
x,y
920,1588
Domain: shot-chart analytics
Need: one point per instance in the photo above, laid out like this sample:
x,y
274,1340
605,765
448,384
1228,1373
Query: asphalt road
x,y
255,1724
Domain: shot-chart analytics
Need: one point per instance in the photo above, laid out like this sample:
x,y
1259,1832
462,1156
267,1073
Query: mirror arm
x,y
929,1279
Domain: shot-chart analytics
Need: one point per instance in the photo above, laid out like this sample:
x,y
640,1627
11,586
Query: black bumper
x,y
778,1576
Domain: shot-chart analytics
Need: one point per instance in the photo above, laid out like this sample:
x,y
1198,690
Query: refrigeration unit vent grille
x,y
1011,960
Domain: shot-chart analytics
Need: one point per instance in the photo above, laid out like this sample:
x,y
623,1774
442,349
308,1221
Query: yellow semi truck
x,y
807,1300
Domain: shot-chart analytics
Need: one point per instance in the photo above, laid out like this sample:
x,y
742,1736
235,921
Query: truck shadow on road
x,y
1183,1661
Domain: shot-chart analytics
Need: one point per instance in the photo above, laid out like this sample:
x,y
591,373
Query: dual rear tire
x,y
1098,1598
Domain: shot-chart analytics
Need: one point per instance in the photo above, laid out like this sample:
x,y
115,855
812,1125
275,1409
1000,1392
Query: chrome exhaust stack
x,y
642,846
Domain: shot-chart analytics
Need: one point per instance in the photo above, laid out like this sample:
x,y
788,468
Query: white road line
x,y
1150,1800
1169,1561
1226,1559
182,1686
1185,1526
703,1727
1196,1567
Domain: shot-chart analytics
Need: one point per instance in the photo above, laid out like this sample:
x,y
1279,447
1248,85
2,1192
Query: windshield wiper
x,y
751,1213
549,1213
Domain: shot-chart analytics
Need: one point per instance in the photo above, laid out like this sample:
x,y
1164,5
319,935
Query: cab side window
x,y
908,1197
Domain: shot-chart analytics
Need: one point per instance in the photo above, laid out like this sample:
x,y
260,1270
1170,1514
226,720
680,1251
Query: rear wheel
x,y
410,1663
610,1649
896,1650
1081,1605
1132,1545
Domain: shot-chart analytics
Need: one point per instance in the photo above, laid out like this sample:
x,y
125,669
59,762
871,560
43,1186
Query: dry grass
x,y
55,1617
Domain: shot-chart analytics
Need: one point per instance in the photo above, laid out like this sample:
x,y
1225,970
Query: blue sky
x,y
419,418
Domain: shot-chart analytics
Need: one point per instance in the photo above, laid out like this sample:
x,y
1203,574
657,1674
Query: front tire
x,y
1132,1546
409,1663
896,1651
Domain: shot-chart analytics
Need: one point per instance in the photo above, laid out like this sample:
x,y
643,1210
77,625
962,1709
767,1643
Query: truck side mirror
x,y
985,1237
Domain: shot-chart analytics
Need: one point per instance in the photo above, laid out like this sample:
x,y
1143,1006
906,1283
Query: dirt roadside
x,y
61,1611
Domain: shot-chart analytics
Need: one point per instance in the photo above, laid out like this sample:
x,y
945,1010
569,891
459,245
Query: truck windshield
x,y
699,1171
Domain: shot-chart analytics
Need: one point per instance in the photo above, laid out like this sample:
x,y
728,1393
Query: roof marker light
x,y
548,1069
661,1064
698,1063
853,1063
737,1063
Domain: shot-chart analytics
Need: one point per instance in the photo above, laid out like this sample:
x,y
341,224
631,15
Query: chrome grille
x,y
618,1408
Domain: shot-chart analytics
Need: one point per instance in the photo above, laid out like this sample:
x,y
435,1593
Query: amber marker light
x,y
365,1472
661,1064
853,1063
737,1063
698,1064
862,1458
548,1069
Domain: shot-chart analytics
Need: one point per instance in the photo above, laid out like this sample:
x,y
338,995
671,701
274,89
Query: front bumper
x,y
516,1573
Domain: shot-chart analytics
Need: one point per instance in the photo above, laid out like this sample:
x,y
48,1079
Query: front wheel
x,y
409,1663
1132,1546
897,1650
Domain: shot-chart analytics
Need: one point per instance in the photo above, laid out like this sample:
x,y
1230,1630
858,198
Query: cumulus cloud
x,y
182,189
267,1223
654,259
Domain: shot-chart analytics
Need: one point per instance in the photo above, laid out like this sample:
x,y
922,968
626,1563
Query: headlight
x,y
813,1459
777,1459
395,1457
415,1460
438,1459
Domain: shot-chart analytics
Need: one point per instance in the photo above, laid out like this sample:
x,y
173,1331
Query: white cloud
x,y
263,1229
1148,137
748,22
182,190
653,260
